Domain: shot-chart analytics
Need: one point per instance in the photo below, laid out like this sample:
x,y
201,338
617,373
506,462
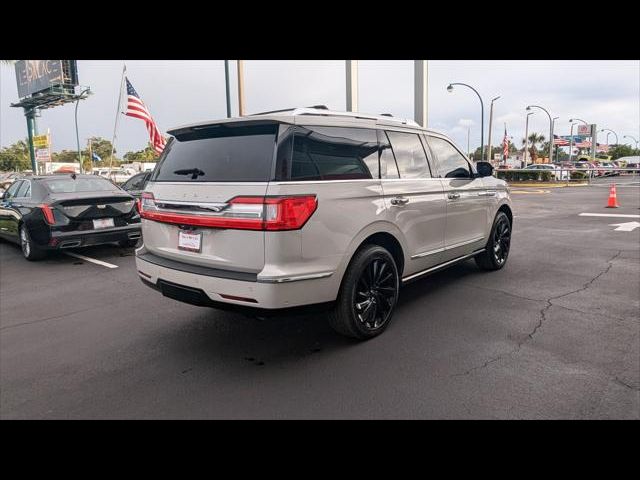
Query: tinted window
x,y
451,162
80,184
388,167
24,190
11,191
136,182
219,153
410,156
333,153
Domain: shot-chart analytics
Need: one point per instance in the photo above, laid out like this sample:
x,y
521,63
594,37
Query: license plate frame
x,y
100,223
190,241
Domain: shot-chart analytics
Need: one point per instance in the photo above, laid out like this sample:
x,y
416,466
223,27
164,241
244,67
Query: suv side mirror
x,y
485,169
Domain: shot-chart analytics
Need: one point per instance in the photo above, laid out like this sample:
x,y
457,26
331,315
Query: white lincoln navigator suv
x,y
309,207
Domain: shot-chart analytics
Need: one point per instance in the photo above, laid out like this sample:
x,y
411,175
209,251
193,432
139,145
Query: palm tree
x,y
534,138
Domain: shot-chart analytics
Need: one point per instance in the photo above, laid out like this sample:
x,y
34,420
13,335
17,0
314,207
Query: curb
x,y
546,185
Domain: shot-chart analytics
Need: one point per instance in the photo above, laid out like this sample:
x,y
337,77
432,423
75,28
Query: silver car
x,y
314,208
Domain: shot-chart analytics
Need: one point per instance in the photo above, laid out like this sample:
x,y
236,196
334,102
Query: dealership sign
x,y
586,130
37,75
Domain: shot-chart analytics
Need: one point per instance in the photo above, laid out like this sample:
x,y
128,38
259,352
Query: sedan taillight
x,y
48,214
276,213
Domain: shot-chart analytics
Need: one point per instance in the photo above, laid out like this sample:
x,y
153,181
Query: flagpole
x,y
115,126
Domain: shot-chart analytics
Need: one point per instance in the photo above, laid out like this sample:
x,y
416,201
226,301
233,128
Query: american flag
x,y
559,141
584,144
505,144
136,108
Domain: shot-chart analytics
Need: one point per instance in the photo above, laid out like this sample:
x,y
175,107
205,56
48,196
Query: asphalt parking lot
x,y
555,334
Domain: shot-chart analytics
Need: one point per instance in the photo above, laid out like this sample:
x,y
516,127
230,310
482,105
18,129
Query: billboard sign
x,y
37,75
41,141
585,130
43,155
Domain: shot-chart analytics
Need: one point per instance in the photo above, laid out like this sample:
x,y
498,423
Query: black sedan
x,y
65,211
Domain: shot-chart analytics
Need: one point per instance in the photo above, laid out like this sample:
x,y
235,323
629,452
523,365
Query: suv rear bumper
x,y
187,283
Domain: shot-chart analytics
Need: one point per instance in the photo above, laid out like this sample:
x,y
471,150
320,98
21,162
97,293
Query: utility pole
x,y
226,83
30,114
490,123
352,85
420,91
241,103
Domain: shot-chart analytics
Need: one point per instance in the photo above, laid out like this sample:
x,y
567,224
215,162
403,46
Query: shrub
x,y
578,175
531,176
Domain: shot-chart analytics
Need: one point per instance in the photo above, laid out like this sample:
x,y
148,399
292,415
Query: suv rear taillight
x,y
48,214
276,213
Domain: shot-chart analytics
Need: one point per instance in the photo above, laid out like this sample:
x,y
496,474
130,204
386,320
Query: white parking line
x,y
92,260
621,215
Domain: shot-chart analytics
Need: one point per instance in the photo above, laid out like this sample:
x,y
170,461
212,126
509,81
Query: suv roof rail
x,y
324,111
318,107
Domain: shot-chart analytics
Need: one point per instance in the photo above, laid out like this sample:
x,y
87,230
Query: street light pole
x,y
608,130
526,139
552,141
550,129
86,90
490,124
571,141
468,136
450,89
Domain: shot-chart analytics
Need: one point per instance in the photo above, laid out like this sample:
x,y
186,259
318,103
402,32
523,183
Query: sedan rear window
x,y
219,153
69,185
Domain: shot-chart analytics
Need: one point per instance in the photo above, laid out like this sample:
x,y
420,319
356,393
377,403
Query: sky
x,y
181,92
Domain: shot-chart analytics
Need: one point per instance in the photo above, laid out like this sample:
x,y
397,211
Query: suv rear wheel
x,y
368,294
497,249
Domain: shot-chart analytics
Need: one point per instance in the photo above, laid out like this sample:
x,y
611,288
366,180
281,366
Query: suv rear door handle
x,y
399,201
453,196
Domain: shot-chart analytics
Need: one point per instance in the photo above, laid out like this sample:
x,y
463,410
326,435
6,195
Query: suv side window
x,y
136,182
11,191
24,190
451,162
388,166
334,153
410,155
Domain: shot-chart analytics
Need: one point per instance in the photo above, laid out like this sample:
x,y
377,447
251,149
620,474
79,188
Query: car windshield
x,y
69,185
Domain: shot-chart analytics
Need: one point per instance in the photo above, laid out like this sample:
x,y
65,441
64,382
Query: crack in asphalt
x,y
625,384
542,318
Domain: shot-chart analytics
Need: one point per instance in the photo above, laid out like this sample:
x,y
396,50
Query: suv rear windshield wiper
x,y
194,172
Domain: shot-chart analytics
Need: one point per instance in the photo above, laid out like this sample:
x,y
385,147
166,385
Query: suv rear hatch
x,y
203,204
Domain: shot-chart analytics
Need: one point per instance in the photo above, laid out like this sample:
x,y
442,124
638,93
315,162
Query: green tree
x,y
15,157
146,155
618,151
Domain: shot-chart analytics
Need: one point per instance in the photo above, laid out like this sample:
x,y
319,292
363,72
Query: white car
x,y
558,172
119,175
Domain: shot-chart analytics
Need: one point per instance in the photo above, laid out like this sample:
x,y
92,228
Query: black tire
x,y
372,268
128,243
498,245
30,250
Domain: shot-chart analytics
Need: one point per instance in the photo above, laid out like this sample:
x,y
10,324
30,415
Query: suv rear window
x,y
219,153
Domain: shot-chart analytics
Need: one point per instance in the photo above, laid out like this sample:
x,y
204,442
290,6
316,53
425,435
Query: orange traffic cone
x,y
613,200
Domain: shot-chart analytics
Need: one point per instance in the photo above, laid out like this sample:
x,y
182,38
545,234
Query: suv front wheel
x,y
368,294
496,251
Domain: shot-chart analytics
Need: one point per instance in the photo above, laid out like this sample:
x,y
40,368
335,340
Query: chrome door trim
x,y
441,266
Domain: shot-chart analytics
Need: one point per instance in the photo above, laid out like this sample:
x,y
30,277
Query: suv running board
x,y
441,266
